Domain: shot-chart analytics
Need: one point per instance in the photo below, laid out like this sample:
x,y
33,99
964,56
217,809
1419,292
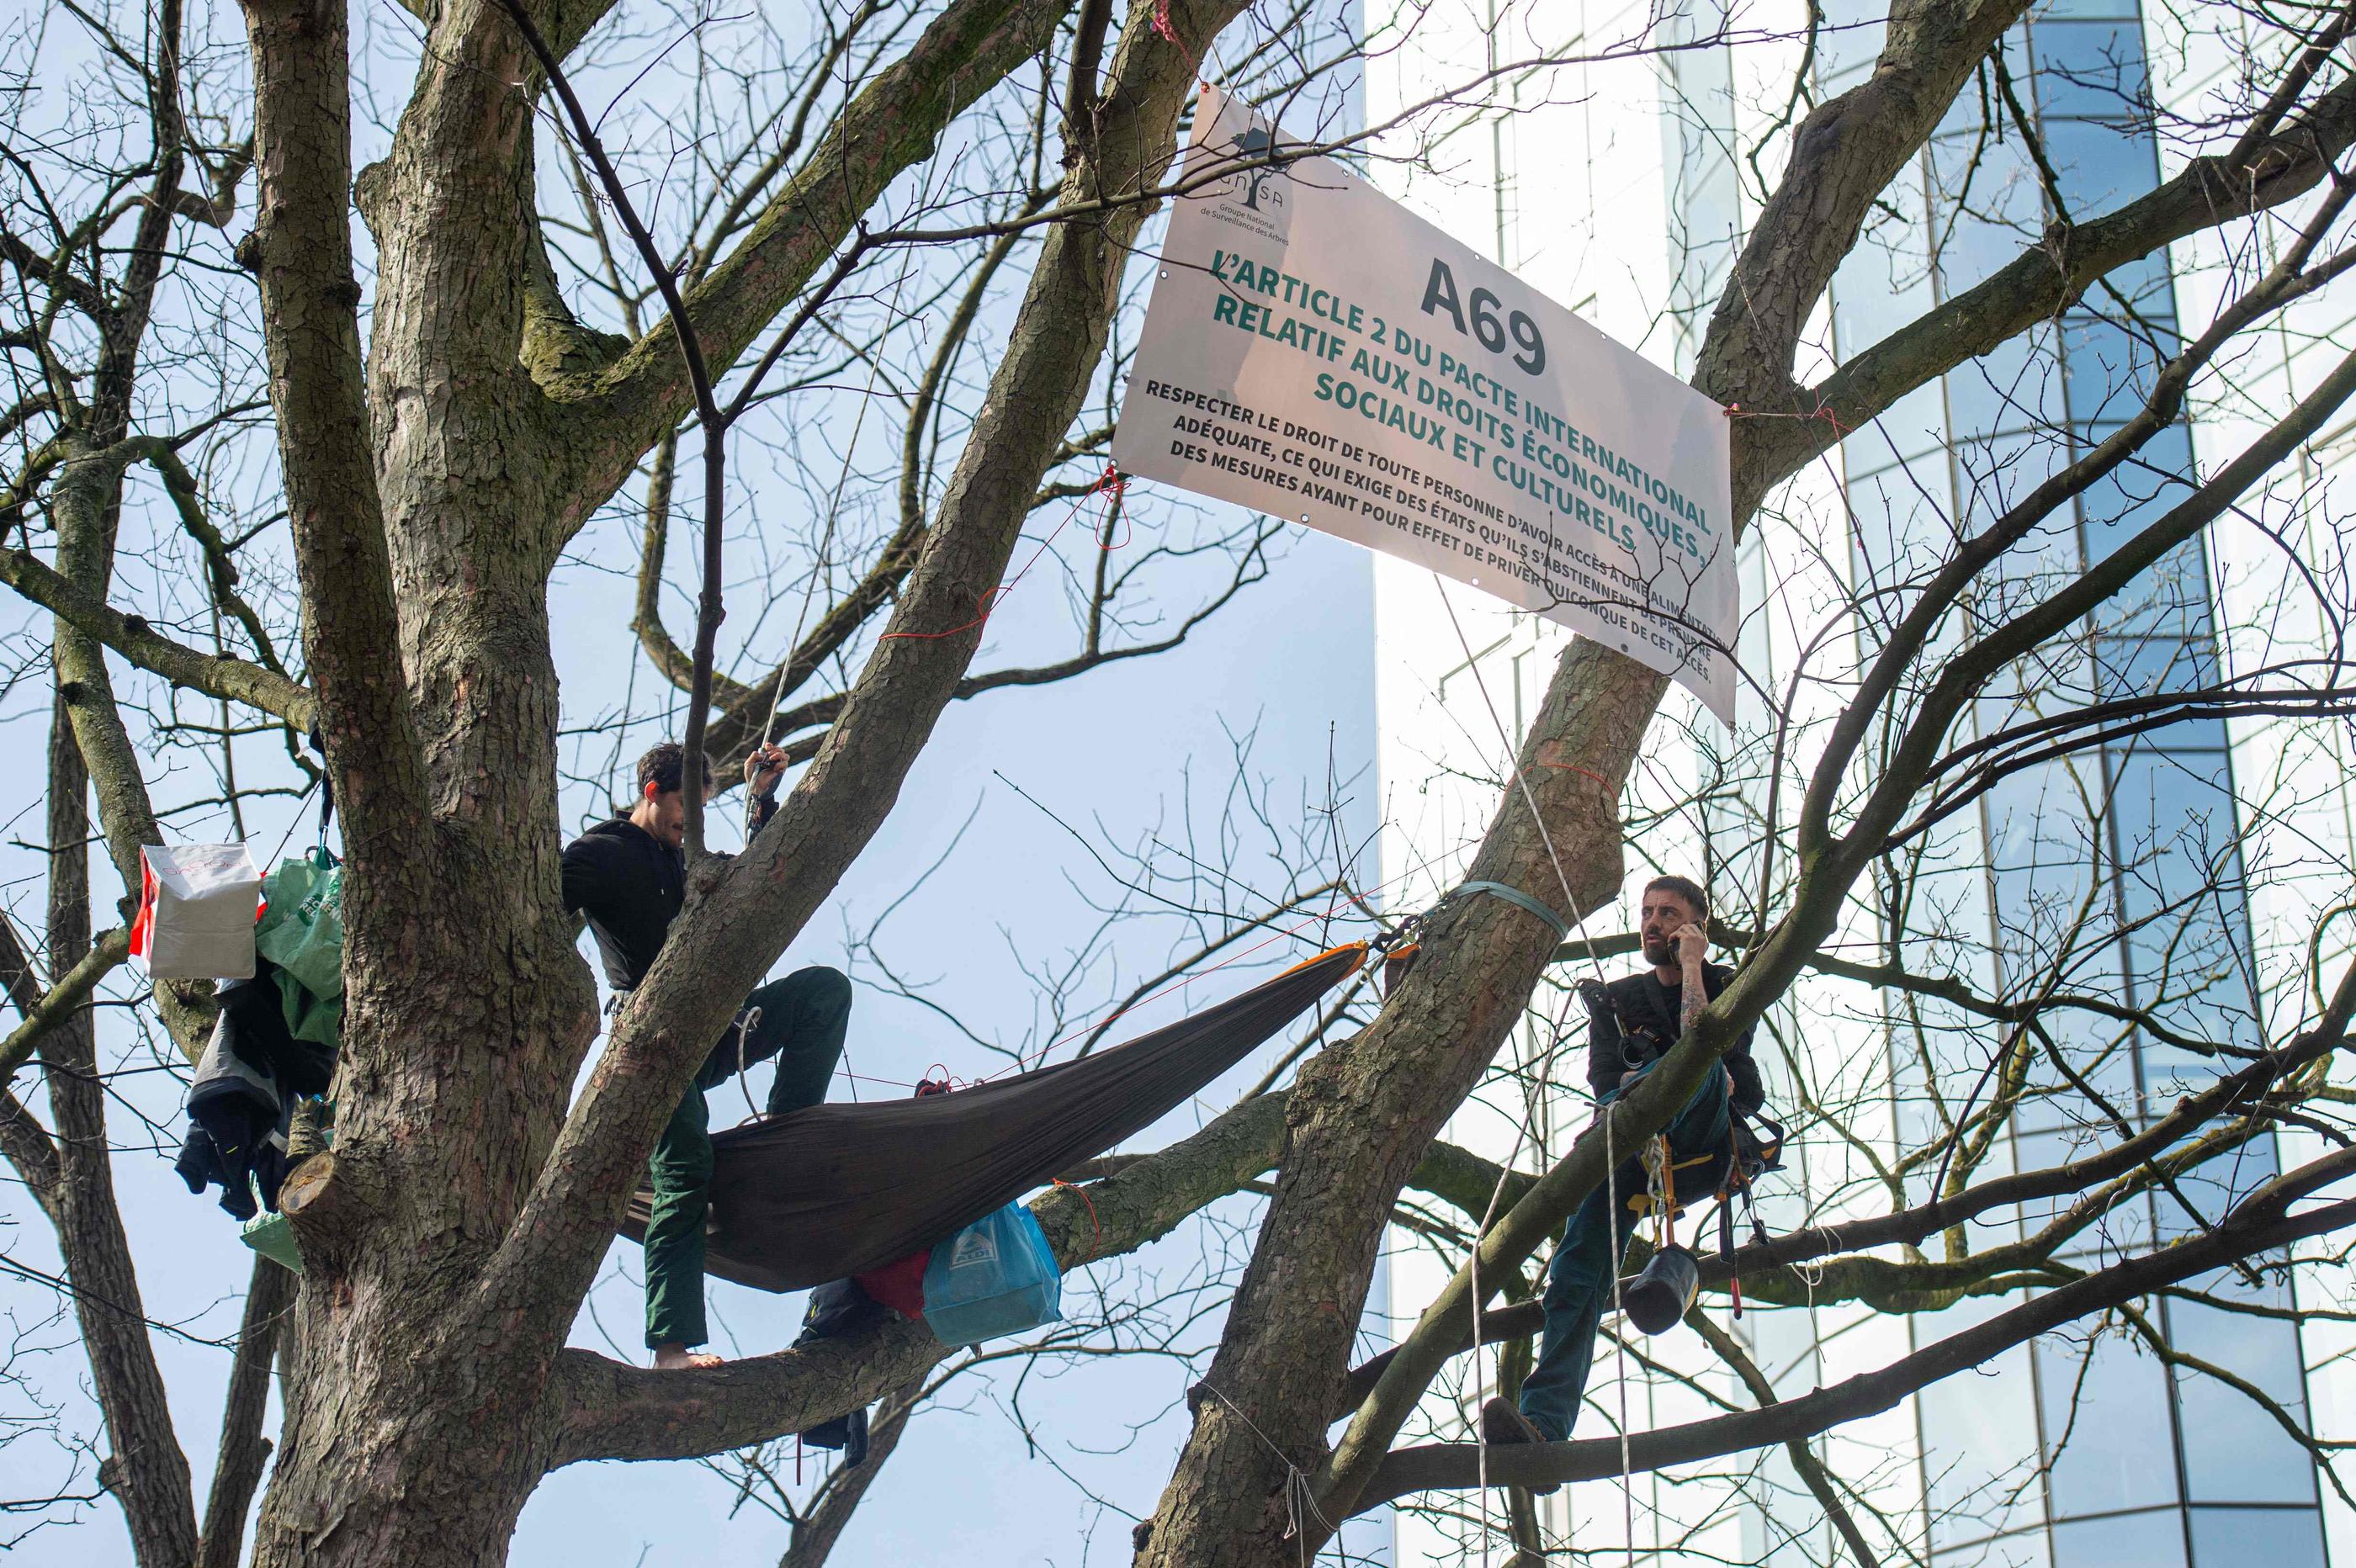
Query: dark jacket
x,y
631,885
1634,1020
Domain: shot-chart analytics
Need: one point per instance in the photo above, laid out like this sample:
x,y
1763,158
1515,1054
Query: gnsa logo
x,y
1263,187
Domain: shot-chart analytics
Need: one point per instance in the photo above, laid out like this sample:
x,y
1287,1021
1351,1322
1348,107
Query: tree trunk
x,y
243,1450
414,1426
144,1466
1360,1119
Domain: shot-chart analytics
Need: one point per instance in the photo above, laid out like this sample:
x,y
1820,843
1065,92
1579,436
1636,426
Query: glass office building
x,y
1615,186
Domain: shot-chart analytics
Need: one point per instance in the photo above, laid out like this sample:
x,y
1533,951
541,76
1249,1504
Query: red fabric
x,y
899,1286
145,922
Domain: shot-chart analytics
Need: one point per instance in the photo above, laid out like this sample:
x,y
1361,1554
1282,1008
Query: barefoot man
x,y
629,875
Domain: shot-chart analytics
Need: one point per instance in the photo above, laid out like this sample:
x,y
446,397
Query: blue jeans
x,y
1579,1281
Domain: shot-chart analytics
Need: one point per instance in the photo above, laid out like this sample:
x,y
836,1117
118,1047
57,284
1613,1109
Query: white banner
x,y
1316,352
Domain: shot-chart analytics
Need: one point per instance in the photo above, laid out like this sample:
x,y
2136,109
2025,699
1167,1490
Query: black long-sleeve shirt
x,y
631,885
1643,1020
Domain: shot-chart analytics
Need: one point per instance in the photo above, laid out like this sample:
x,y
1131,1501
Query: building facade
x,y
2175,870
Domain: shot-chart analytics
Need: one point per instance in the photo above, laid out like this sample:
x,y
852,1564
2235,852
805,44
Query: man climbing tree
x,y
1631,1025
629,875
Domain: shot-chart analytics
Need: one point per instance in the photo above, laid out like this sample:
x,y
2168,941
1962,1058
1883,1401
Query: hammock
x,y
838,1189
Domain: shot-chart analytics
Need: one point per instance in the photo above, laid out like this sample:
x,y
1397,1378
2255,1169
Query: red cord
x,y
1114,484
1823,411
1096,1245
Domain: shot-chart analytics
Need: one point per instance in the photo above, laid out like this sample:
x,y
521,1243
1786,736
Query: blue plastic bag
x,y
996,1276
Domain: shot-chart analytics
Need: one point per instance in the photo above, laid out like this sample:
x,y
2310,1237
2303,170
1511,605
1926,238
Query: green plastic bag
x,y
302,932
271,1235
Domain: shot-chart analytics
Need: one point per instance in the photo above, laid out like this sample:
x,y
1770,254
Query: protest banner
x,y
1316,352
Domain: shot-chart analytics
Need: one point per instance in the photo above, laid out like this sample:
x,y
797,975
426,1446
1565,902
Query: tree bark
x,y
243,1450
144,1468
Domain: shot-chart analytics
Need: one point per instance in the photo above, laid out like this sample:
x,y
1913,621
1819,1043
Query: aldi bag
x,y
197,909
997,1276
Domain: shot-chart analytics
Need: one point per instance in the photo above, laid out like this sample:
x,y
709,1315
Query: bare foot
x,y
671,1357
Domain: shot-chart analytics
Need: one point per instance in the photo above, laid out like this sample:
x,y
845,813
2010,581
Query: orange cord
x,y
1096,1244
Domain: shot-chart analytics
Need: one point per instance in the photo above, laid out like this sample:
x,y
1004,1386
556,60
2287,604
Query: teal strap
x,y
1523,901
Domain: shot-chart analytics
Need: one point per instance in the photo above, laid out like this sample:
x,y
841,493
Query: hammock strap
x,y
1521,900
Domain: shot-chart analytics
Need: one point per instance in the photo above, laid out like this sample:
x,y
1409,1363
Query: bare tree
x,y
791,229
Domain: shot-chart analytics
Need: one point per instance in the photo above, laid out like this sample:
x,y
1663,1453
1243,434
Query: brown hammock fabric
x,y
838,1189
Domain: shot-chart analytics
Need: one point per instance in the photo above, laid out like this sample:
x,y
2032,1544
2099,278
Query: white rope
x,y
1611,1172
834,505
1298,1493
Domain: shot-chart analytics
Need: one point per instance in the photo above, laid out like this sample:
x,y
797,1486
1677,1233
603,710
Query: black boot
x,y
1502,1425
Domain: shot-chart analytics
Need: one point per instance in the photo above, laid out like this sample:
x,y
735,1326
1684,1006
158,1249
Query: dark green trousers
x,y
804,1017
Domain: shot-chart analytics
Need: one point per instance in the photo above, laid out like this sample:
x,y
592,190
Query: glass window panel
x,y
2183,893
2270,1538
1902,529
2013,386
2145,666
2089,68
2132,1540
2234,1450
2106,1410
2113,367
2058,677
2041,847
2171,596
2145,282
1978,1430
1910,431
1987,201
1995,472
2029,1550
2213,1187
2101,165
2168,599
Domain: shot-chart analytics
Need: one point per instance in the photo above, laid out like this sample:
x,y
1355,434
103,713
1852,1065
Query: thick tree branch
x,y
61,999
145,1469
1810,1469
216,674
301,249
815,1532
243,1451
2040,282
25,1145
2231,1095
892,123
607,1410
1844,155
2259,1225
742,915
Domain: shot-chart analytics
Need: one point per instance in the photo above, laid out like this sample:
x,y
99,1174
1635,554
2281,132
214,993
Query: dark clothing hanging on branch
x,y
243,1097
